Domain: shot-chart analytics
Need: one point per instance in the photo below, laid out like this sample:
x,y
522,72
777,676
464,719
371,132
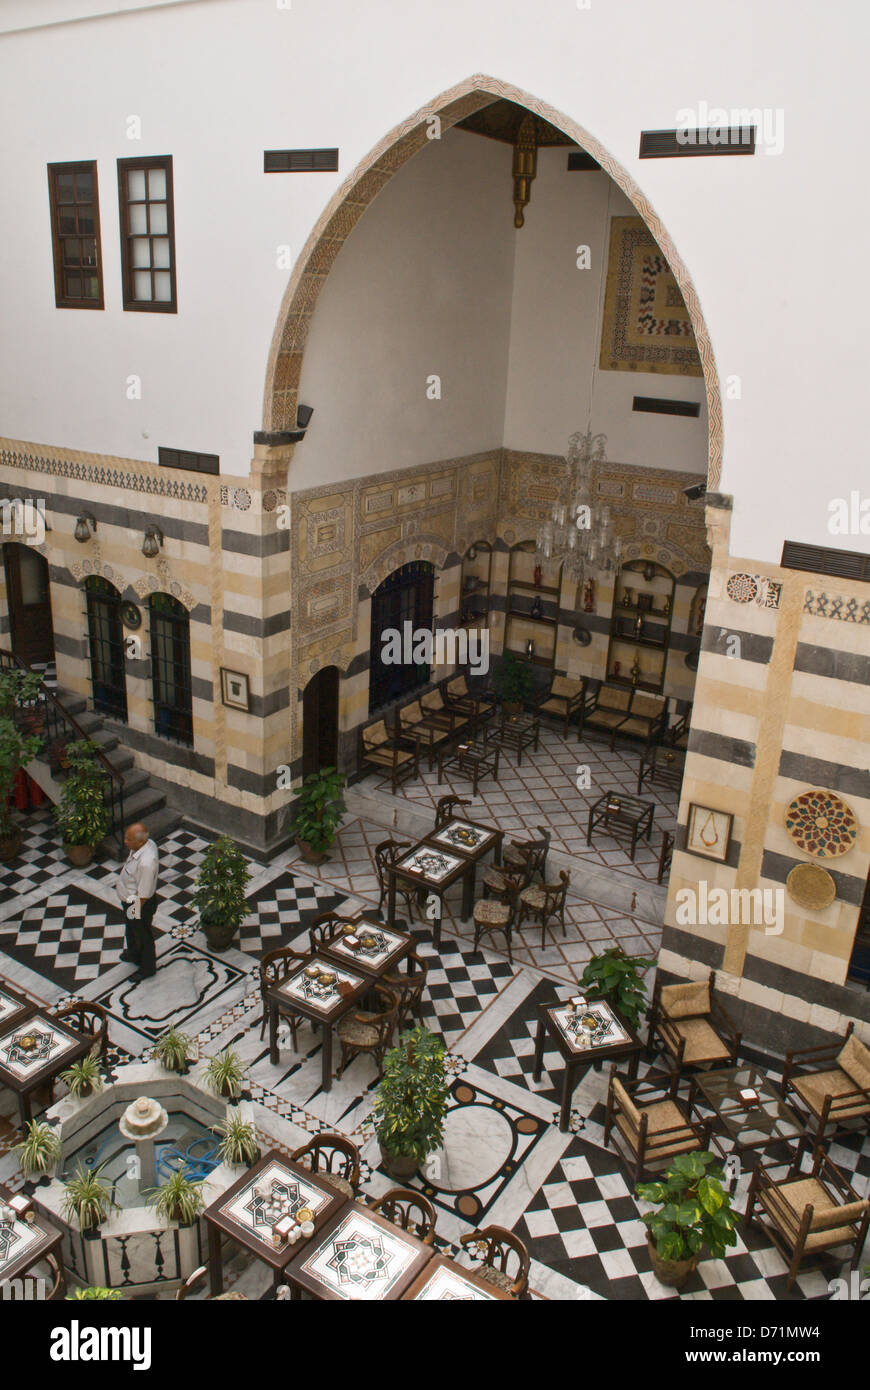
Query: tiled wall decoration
x,y
843,608
754,588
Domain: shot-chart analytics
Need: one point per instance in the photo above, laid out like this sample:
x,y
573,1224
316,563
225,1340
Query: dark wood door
x,y
29,595
320,721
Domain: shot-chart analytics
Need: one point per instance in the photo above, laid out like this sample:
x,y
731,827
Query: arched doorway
x,y
106,648
28,592
403,604
170,668
320,721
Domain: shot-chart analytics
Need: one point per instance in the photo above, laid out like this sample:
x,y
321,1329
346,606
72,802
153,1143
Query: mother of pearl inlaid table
x,y
358,1256
34,1047
26,1238
443,1280
264,1213
585,1034
12,1006
369,947
440,860
321,991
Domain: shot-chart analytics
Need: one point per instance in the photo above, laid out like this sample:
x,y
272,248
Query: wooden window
x,y
75,235
147,234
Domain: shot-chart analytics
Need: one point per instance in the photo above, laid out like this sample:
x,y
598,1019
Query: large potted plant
x,y
693,1211
238,1145
219,895
83,1078
225,1074
87,1198
178,1199
512,683
17,747
39,1150
82,815
411,1103
616,977
319,812
173,1050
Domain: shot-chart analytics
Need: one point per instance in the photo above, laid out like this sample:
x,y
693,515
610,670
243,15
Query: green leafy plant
x,y
319,809
512,680
219,895
40,1148
238,1140
82,815
693,1209
95,1291
17,746
173,1050
618,979
411,1101
83,1078
178,1199
87,1198
224,1074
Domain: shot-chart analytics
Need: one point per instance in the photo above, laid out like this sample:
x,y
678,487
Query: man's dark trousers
x,y
140,937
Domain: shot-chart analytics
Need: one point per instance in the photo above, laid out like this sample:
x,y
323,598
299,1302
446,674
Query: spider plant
x,y
95,1291
88,1198
174,1050
83,1078
224,1074
39,1150
178,1199
238,1140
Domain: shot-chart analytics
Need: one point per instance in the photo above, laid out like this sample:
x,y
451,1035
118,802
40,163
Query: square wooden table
x,y
318,1002
750,1127
33,1049
473,760
359,1256
25,1240
427,867
470,839
389,948
621,816
274,1187
12,1006
580,1049
444,1279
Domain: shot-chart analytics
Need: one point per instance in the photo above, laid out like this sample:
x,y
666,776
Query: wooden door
x,y
28,592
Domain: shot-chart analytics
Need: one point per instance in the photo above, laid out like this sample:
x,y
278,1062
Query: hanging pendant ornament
x,y
704,834
525,167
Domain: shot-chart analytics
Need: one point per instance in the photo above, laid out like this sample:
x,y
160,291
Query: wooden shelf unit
x,y
474,601
521,565
655,634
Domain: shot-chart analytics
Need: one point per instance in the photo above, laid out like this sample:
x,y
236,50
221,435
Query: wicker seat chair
x,y
410,1210
334,1159
497,1248
525,857
325,928
666,854
388,752
563,700
447,808
409,987
650,1121
372,1033
829,1086
386,853
275,966
498,915
90,1019
196,1279
541,901
691,1025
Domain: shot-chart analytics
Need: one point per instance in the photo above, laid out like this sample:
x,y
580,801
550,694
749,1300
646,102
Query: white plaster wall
x,y
217,82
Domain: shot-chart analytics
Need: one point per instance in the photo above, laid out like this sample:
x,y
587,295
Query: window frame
x,y
75,166
130,303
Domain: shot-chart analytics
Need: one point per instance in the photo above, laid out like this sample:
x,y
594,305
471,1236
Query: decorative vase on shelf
x,y
627,599
538,576
635,671
638,626
617,667
589,596
537,609
530,648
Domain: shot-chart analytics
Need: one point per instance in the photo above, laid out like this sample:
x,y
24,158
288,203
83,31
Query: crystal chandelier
x,y
580,536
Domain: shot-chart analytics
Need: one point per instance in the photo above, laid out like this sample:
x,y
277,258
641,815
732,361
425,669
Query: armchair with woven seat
x,y
541,901
523,859
691,1025
498,1249
430,730
604,708
90,1019
829,1086
650,1121
334,1159
410,1210
563,700
433,703
362,1032
458,696
409,987
387,853
388,752
447,809
646,719
274,967
808,1214
496,916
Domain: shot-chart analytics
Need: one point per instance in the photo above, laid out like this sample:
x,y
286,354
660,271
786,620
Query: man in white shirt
x,y
136,886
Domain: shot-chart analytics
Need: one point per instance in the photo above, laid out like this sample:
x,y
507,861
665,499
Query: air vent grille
x,y
300,161
671,144
188,458
816,559
655,405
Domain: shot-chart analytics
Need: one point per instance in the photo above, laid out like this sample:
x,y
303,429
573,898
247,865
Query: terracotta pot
x,y
219,935
311,856
672,1273
10,845
79,855
399,1166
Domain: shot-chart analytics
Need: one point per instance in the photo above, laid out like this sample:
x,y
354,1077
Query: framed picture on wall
x,y
235,690
708,832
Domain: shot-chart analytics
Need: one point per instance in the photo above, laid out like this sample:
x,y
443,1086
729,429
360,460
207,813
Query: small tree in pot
x,y
616,977
411,1102
17,747
319,812
512,683
82,815
219,896
694,1210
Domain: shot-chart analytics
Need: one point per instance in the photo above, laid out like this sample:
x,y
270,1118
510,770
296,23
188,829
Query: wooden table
x,y
359,1256
25,1239
622,817
613,1040
430,867
321,1004
273,1187
750,1127
13,1006
473,760
56,1047
445,1279
389,949
522,732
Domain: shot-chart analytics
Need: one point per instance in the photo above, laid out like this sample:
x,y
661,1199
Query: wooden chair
x,y
457,695
386,853
325,928
545,900
651,1122
334,1159
410,1210
496,1246
371,1033
604,708
518,852
563,700
494,915
433,703
385,751
500,882
829,1086
196,1280
90,1019
430,729
646,718
446,809
692,1026
666,854
409,987
275,966
807,1214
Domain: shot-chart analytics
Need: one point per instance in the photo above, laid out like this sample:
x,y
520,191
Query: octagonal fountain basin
x,y
146,1124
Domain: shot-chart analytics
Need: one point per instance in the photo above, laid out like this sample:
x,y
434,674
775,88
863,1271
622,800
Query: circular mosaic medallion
x,y
270,500
742,588
820,823
242,499
811,886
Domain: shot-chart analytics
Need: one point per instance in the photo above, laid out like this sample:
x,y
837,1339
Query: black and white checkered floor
x,y
566,1196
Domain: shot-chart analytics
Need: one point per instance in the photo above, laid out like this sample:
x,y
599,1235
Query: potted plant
x,y
219,895
616,977
694,1210
319,812
173,1050
87,1198
512,683
82,815
83,1078
178,1199
39,1150
95,1291
224,1074
238,1146
411,1102
17,747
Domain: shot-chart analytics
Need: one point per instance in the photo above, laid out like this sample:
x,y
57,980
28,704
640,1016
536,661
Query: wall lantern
x,y
85,525
152,542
